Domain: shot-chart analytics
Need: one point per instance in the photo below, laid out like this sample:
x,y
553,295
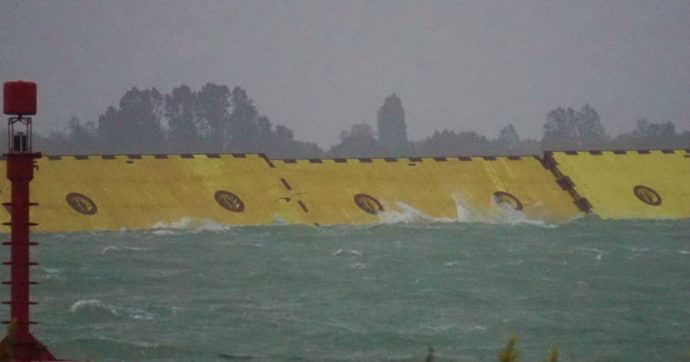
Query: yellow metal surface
x,y
149,192
428,188
121,192
609,180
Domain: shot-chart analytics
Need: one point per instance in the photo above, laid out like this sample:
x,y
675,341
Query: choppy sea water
x,y
598,290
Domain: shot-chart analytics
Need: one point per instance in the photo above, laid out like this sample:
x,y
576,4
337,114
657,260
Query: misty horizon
x,y
318,67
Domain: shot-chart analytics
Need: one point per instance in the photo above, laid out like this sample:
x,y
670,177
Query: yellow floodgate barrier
x,y
362,190
104,192
77,193
629,184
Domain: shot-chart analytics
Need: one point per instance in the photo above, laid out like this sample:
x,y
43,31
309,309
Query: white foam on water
x,y
187,224
346,252
599,254
51,270
464,212
163,232
358,266
278,220
405,214
499,213
92,305
504,213
114,248
99,307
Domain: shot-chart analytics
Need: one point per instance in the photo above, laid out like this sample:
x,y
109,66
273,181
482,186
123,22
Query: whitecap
x,y
95,308
349,251
114,248
358,266
92,305
188,224
405,213
599,253
499,213
51,270
163,232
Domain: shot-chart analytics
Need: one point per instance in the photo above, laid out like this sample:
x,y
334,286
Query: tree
x,y
447,142
392,128
183,128
358,142
560,130
508,138
567,128
212,106
243,122
651,135
81,137
590,130
135,126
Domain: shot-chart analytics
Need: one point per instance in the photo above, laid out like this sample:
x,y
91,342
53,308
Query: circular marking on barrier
x,y
368,204
647,195
229,201
81,203
504,198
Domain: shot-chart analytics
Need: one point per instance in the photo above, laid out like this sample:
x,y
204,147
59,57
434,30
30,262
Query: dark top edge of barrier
x,y
268,160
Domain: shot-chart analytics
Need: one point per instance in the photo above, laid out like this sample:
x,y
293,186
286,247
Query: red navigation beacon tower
x,y
20,103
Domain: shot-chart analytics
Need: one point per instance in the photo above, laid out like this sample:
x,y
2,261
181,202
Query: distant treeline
x,y
218,119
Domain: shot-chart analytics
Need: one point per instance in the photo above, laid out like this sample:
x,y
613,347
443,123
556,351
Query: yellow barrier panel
x,y
79,193
120,192
631,184
486,189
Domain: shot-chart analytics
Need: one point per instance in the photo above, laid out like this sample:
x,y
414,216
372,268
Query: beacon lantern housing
x,y
19,100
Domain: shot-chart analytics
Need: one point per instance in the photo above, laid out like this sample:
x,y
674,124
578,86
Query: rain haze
x,y
319,66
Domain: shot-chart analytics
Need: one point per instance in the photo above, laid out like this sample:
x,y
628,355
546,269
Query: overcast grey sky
x,y
319,66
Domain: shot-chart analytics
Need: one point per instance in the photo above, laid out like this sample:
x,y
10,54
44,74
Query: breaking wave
x,y
95,309
188,224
